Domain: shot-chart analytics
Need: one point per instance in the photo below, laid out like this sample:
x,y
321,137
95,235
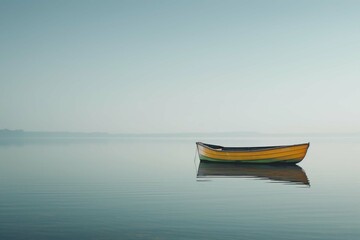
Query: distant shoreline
x,y
6,133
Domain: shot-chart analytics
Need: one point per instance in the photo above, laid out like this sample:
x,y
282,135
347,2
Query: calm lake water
x,y
149,189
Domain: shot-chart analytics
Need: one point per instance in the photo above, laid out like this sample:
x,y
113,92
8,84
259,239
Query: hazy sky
x,y
175,66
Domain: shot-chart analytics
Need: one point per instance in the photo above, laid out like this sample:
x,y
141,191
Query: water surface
x,y
150,189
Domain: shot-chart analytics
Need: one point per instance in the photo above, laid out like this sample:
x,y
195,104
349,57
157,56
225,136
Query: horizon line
x,y
175,133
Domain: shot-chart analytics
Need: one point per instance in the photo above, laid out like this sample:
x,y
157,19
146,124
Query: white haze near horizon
x,y
180,66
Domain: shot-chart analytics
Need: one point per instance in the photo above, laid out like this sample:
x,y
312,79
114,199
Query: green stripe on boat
x,y
204,158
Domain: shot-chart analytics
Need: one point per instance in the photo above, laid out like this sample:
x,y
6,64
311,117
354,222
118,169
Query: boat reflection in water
x,y
284,173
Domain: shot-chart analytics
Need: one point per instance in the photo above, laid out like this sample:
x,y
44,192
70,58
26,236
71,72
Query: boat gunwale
x,y
248,149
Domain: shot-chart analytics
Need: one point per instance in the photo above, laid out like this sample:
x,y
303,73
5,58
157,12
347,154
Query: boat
x,y
269,154
282,173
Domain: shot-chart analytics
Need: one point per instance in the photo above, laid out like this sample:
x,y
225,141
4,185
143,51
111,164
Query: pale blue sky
x,y
180,66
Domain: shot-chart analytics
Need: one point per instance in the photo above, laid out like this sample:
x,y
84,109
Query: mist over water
x,y
180,66
149,188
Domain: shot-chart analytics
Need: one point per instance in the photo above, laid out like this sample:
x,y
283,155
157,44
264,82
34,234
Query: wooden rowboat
x,y
283,173
269,154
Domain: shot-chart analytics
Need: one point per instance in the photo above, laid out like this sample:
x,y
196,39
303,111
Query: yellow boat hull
x,y
271,154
